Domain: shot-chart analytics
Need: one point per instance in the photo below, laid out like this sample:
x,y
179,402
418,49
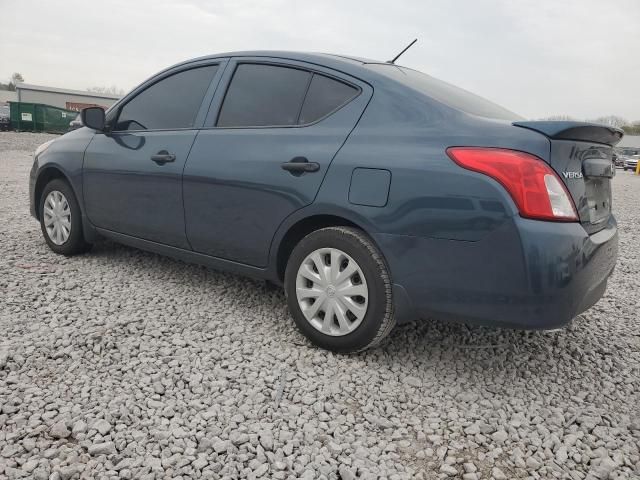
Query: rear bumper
x,y
526,274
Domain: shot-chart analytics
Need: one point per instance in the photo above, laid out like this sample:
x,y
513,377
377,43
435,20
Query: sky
x,y
535,57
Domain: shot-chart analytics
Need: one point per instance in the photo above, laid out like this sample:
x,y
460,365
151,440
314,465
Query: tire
x,y
74,243
350,245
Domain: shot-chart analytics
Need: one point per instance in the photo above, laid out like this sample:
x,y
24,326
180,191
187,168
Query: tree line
x,y
630,128
18,78
11,85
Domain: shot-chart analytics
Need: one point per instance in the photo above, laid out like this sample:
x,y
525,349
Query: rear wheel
x,y
61,219
339,291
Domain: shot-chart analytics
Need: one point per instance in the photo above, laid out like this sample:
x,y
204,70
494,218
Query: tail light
x,y
533,185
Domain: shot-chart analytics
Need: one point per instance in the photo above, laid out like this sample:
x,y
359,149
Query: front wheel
x,y
339,291
61,219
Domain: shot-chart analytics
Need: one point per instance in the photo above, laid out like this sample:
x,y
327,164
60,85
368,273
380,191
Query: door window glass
x,y
171,103
261,95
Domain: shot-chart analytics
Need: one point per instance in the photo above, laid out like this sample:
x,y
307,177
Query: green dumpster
x,y
38,117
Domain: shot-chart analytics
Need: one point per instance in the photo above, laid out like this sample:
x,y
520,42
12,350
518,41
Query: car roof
x,y
378,73
345,63
293,55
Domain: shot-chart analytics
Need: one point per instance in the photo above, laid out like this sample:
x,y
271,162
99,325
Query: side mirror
x,y
93,117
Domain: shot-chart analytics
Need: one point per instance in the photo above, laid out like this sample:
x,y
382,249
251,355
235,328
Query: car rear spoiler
x,y
579,131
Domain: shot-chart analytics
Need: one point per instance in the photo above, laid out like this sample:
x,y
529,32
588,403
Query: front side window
x,y
171,103
261,95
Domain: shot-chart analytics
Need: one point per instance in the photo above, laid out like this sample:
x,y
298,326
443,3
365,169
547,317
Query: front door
x,y
132,176
272,136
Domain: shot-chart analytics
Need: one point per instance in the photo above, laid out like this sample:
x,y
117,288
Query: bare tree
x,y
612,121
564,118
632,129
15,78
112,90
609,120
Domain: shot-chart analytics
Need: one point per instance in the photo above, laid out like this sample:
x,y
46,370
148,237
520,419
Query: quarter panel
x,y
430,195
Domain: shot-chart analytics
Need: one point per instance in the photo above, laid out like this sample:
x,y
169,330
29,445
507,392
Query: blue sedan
x,y
373,193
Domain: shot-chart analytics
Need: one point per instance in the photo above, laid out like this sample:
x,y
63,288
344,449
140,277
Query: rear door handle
x,y
163,157
299,165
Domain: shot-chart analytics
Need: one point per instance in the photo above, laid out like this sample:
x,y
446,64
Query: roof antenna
x,y
398,56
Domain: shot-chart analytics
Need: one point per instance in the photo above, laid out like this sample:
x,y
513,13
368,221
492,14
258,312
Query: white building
x,y
7,96
62,97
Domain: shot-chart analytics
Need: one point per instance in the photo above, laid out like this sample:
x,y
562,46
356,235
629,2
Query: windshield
x,y
444,92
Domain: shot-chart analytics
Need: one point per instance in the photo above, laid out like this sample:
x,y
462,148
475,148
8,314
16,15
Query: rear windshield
x,y
444,92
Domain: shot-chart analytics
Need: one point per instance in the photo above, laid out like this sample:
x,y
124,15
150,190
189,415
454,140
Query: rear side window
x,y
171,103
323,97
261,95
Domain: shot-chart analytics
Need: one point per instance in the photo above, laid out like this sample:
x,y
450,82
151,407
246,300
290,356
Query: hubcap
x,y
332,291
57,217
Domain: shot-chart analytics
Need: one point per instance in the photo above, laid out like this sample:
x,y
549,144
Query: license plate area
x,y
598,193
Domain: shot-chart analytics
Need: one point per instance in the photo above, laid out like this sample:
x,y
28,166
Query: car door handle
x,y
299,165
163,157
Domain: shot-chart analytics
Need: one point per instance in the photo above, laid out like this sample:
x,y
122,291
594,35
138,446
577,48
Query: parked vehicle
x,y
375,194
631,162
5,118
618,160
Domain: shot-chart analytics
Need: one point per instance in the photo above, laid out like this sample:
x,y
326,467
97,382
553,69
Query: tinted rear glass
x,y
171,103
445,93
323,97
261,95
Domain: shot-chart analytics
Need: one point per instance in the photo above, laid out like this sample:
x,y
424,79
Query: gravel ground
x,y
125,364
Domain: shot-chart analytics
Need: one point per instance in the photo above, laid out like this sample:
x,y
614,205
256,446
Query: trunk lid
x,y
581,154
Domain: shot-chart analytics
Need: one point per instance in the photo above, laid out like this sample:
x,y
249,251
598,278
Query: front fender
x,y
62,159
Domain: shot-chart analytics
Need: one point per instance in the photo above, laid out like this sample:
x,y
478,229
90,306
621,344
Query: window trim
x,y
310,70
204,104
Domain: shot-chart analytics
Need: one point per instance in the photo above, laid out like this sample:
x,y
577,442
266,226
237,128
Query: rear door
x,y
270,136
132,175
